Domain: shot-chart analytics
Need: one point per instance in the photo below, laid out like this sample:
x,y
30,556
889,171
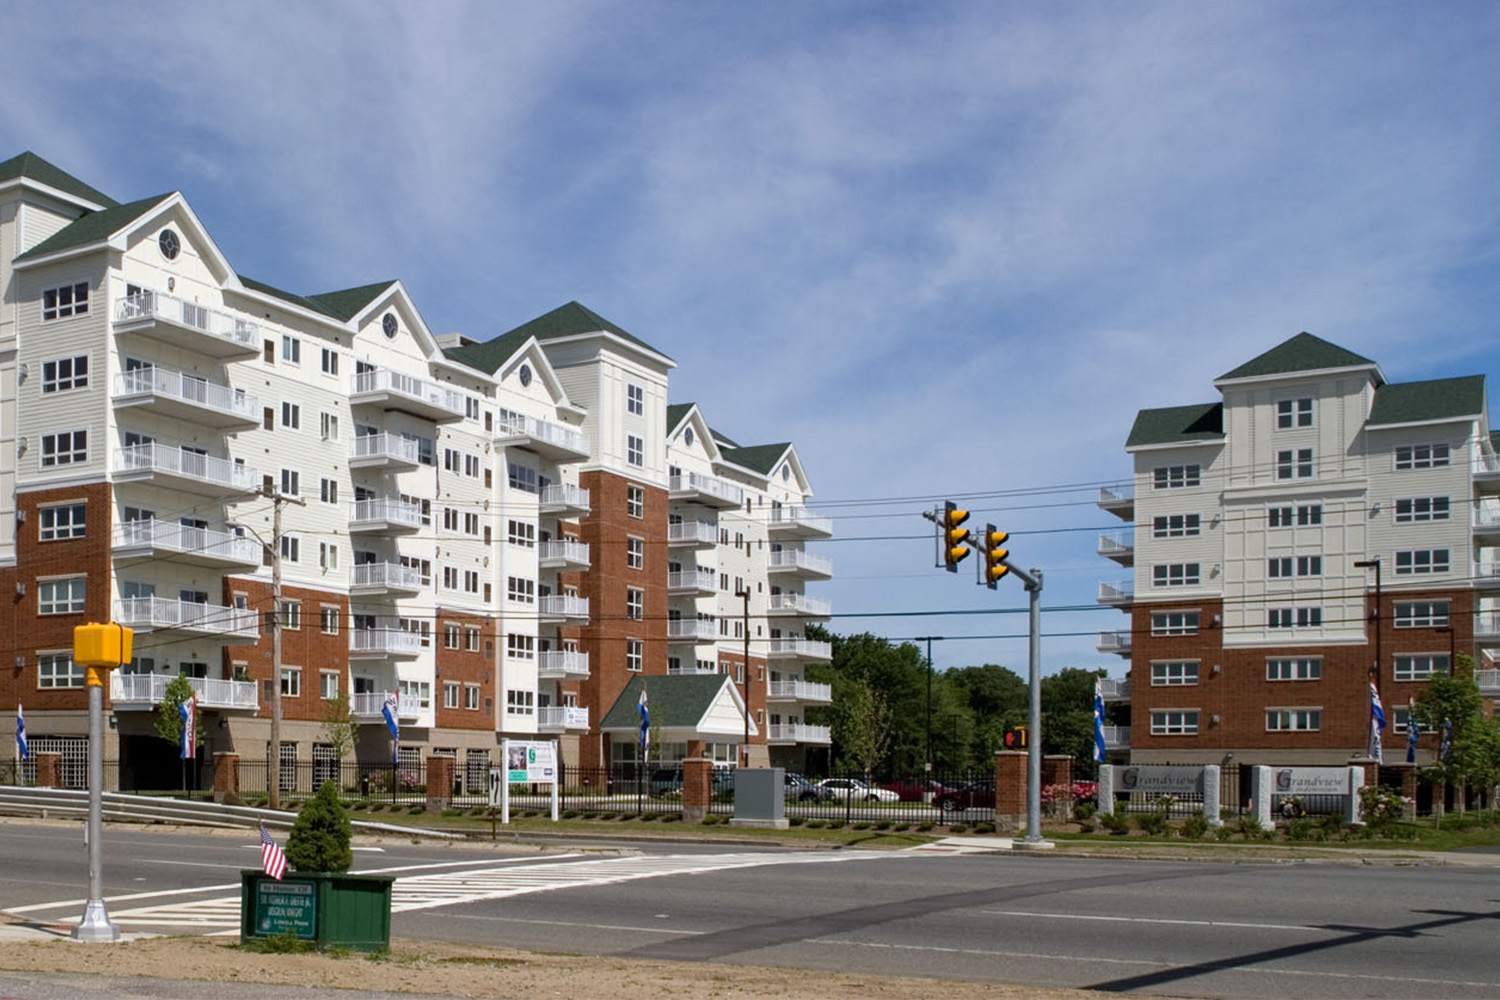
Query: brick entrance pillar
x,y
1010,790
49,770
697,787
227,778
1057,771
439,782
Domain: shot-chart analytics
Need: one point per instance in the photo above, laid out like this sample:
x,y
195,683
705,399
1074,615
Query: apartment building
x,y
1313,529
482,528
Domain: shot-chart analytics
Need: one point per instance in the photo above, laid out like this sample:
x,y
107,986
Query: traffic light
x,y
1015,738
952,536
994,555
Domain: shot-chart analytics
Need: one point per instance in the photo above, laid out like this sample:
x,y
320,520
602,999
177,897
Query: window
x,y
471,466
450,519
1174,674
635,601
520,647
65,448
291,349
1175,575
1421,456
1294,413
635,399
521,533
635,553
329,426
635,450
1294,720
633,655
291,482
471,524
1303,669
417,691
1279,567
422,566
471,408
522,477
291,548
1176,477
520,589
57,670
291,416
1419,667
1294,618
63,596
268,351
63,521
471,697
328,555
62,374
635,501
1175,526
330,362
450,694
450,460
1174,623
1179,723
520,702
291,614
450,577
471,640
1284,566
471,581
291,682
451,635
1309,514
328,490
328,620
1421,561
328,684
65,301
1412,509
1294,463
1309,565
1278,517
1421,614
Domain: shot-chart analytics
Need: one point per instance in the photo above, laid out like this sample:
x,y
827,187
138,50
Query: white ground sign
x,y
527,762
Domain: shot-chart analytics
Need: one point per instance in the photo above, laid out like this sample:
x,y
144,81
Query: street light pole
x,y
1032,578
1367,564
929,640
745,753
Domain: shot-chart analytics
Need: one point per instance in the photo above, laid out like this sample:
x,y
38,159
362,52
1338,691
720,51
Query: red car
x,y
975,795
916,790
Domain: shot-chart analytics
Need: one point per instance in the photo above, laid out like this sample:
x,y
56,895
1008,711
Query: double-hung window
x,y
1294,463
65,301
63,374
1417,561
1291,413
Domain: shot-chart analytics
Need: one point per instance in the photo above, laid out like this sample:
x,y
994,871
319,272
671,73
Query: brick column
x,y
1057,769
1010,790
697,787
227,778
49,770
1370,767
439,782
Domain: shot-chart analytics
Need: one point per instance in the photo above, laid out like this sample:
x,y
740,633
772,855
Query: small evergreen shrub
x,y
1084,810
926,826
1195,826
1249,827
320,837
795,821
958,828
984,827
1115,823
1223,833
1153,824
1303,828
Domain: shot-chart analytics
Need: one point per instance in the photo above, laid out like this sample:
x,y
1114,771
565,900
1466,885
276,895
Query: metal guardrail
x,y
45,802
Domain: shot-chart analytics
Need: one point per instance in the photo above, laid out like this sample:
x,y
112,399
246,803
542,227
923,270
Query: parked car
x,y
916,789
799,788
666,782
974,795
853,789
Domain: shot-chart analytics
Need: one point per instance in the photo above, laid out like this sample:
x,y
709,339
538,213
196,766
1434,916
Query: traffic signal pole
x,y
1032,578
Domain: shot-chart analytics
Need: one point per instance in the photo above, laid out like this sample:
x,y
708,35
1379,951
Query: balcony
x,y
368,579
797,732
1114,642
385,451
562,665
384,643
798,522
369,706
797,690
692,534
419,397
186,544
564,554
1488,682
167,614
1119,546
386,515
795,562
1486,473
800,649
710,491
691,668
556,608
184,471
1117,737
691,630
1115,688
186,397
146,691
544,437
799,605
692,582
1119,501
1120,594
564,501
166,318
1487,627
557,718
1487,574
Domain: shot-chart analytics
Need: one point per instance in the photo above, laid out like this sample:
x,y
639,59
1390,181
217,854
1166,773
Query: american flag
x,y
271,858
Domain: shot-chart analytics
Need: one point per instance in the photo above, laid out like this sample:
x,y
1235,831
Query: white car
x,y
853,789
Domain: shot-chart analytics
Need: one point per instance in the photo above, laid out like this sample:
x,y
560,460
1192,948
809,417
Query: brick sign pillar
x,y
49,770
439,782
1057,770
1010,790
226,777
697,782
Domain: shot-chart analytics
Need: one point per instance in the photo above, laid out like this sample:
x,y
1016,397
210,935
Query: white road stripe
x,y
1154,920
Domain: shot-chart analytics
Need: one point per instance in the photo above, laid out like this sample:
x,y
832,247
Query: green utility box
x,y
332,909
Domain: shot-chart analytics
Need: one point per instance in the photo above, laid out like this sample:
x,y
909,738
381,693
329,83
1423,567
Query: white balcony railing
x,y
563,550
389,510
189,616
387,447
161,459
235,330
796,559
800,519
387,576
368,705
197,392
1487,624
692,533
1114,642
709,486
384,642
563,606
1119,592
562,717
692,629
1488,682
562,664
1115,496
423,397
800,604
809,649
797,732
694,667
692,579
1487,570
200,543
151,689
552,437
801,690
563,497
1116,737
1117,544
1115,688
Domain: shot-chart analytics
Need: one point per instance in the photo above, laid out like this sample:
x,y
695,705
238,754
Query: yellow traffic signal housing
x,y
953,535
994,555
1015,738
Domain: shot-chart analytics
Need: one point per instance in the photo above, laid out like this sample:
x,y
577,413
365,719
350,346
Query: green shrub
x,y
1303,828
984,827
926,825
795,821
859,826
1153,824
1084,810
1195,826
958,828
570,814
814,824
901,828
1249,826
671,818
1086,825
452,812
884,824
320,836
1223,833
1117,824
835,824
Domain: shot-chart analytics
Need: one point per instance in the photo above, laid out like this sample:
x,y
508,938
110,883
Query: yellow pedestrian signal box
x,y
101,648
1015,738
995,555
953,536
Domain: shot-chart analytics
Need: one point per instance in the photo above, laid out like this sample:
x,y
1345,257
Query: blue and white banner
x,y
1099,720
1447,743
21,748
188,710
389,710
1413,731
1377,725
645,711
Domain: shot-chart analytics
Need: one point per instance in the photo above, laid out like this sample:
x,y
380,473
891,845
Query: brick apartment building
x,y
1275,531
499,532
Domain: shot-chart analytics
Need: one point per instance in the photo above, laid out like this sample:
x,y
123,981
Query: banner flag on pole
x,y
21,748
1377,725
1447,743
389,711
1413,731
188,710
645,717
1099,720
272,861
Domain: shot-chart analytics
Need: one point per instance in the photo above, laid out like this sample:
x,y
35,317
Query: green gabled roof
x,y
346,303
1303,353
760,458
1177,423
294,299
94,227
677,701
1435,399
33,167
574,319
723,439
676,412
490,355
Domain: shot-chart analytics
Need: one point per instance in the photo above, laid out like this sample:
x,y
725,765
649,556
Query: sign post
x,y
526,762
99,649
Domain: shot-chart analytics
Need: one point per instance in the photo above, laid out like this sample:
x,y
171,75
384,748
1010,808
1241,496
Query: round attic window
x,y
687,437
525,375
389,325
169,244
786,473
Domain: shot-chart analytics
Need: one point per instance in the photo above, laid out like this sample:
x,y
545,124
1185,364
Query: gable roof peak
x,y
32,167
1302,353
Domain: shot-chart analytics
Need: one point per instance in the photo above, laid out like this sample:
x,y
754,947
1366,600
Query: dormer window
x,y
1293,413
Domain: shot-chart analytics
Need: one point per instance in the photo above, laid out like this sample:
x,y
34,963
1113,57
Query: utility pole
x,y
278,499
929,639
1375,670
745,594
1033,580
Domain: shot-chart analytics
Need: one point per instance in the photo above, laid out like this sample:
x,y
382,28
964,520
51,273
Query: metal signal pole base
x,y
95,925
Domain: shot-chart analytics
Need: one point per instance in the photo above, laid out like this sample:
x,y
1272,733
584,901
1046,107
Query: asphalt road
x,y
1195,929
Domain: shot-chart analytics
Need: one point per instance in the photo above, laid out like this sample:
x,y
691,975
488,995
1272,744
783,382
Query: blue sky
x,y
945,248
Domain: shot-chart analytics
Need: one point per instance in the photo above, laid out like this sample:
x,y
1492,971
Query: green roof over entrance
x,y
676,701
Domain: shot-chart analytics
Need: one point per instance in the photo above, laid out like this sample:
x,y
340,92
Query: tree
x,y
340,727
861,725
168,715
1068,713
1474,743
320,836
